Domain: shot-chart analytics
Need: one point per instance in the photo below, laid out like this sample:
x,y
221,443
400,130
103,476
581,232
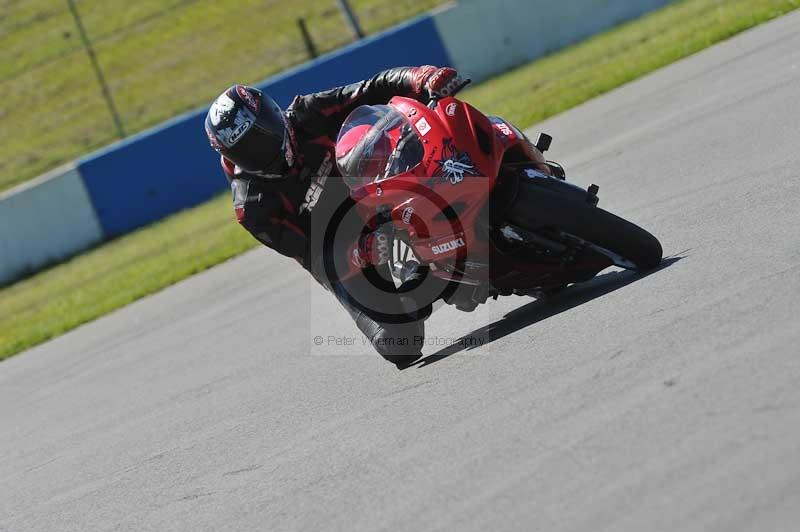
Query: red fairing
x,y
463,151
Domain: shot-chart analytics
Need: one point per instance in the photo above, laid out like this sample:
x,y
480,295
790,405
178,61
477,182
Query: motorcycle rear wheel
x,y
537,207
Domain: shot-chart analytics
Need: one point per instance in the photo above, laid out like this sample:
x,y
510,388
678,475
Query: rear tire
x,y
537,207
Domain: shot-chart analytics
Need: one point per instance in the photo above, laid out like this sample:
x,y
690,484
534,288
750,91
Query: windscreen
x,y
376,142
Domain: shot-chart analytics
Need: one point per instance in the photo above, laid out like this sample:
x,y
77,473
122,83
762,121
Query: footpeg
x,y
557,170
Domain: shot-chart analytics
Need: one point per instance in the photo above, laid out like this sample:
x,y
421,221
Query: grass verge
x,y
117,273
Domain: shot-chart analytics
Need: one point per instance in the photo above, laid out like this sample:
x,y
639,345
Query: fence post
x,y
312,50
96,66
355,27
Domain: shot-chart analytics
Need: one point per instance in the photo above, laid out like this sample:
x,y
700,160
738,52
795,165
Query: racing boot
x,y
399,343
397,335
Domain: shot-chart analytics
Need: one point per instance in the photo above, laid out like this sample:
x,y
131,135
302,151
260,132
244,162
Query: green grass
x,y
160,57
93,284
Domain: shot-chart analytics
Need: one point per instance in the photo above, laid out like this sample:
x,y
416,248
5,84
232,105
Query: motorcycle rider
x,y
282,172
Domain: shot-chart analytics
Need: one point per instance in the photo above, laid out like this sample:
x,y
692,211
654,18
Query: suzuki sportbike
x,y
475,211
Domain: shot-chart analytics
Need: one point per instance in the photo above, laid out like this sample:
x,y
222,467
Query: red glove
x,y
373,248
436,83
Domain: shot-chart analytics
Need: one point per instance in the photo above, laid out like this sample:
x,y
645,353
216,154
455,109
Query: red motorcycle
x,y
476,210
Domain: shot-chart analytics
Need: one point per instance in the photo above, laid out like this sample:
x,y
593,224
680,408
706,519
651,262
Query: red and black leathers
x,y
289,215
278,213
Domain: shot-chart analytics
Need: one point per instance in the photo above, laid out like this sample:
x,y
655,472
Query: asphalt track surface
x,y
662,402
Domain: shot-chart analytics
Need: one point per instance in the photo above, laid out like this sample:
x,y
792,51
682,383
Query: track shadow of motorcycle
x,y
541,310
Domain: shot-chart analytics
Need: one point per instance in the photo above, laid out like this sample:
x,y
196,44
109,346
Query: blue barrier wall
x,y
152,175
159,172
415,43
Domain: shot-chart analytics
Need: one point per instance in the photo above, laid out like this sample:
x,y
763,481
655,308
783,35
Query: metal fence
x,y
158,58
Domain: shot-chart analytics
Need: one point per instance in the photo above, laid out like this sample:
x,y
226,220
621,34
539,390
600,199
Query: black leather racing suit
x,y
290,215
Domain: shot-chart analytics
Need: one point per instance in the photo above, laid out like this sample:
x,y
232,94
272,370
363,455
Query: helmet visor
x,y
260,152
